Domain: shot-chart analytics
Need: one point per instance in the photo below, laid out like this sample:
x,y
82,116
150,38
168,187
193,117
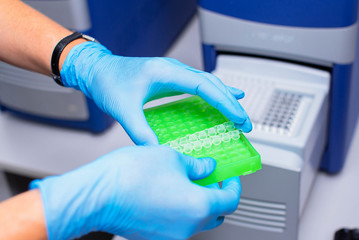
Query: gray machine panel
x,y
74,13
268,208
5,192
25,91
316,45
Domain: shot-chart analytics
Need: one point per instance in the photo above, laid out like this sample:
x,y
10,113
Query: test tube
x,y
197,145
178,148
183,140
226,137
207,143
174,143
221,128
211,131
235,134
192,138
230,126
202,135
187,148
216,140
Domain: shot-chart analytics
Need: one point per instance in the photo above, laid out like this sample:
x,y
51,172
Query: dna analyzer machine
x,y
127,28
294,61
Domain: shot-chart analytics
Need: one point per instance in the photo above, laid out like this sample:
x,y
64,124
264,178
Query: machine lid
x,y
304,13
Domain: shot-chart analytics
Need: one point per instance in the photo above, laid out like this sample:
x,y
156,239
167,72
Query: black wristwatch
x,y
58,50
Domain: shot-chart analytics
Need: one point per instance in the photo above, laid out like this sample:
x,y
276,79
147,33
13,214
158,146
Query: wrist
x,y
67,49
60,205
80,65
22,217
58,50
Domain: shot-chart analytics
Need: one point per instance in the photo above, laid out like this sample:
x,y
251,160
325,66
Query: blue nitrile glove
x,y
138,192
120,86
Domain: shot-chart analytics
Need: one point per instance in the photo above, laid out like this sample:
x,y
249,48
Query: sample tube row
x,y
205,139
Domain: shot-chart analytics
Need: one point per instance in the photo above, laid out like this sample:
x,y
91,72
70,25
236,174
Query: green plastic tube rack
x,y
193,127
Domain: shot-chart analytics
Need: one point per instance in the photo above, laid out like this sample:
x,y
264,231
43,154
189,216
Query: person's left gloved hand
x,y
138,192
120,86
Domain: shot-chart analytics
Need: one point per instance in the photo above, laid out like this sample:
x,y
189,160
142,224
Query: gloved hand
x,y
120,86
138,192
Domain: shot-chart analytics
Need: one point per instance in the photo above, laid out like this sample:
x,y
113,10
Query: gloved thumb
x,y
198,168
137,127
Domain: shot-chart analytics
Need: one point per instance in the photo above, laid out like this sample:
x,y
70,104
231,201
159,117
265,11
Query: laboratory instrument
x,y
294,62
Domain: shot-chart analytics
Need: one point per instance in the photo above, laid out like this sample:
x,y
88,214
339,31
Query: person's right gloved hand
x,y
139,193
120,86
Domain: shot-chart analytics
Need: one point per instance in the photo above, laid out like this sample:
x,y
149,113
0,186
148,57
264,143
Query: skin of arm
x,y
27,41
22,217
29,37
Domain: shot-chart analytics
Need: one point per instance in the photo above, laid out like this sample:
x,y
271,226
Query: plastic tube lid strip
x,y
206,138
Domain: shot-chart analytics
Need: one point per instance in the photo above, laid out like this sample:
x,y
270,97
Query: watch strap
x,y
60,46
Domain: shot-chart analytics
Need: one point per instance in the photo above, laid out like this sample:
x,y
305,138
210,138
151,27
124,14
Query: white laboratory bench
x,y
37,150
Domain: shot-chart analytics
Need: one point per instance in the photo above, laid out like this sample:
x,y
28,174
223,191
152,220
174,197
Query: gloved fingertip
x,y
246,126
237,93
149,140
214,223
200,168
239,115
220,220
232,184
211,163
34,184
140,132
239,118
207,166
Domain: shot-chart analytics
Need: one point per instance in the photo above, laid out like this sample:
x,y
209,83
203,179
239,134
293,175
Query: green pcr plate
x,y
193,127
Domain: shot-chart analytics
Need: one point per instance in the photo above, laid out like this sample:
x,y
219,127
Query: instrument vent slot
x,y
262,215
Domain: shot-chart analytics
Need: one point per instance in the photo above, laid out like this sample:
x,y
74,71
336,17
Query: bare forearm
x,y
22,217
28,37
